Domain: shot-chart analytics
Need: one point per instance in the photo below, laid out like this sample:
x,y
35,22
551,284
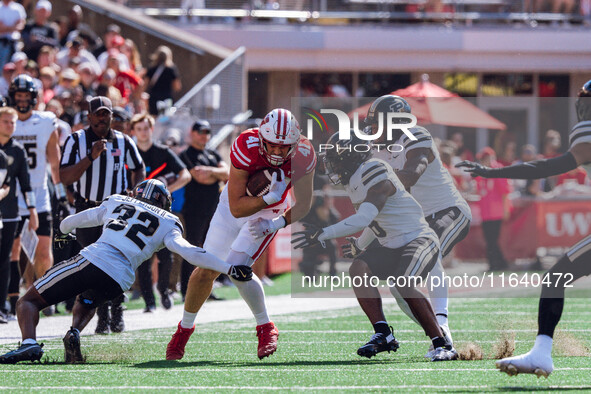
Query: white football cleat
x,y
446,335
540,365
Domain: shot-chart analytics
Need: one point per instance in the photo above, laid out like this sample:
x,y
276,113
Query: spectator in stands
x,y
74,25
48,79
495,207
116,43
107,87
112,31
39,31
507,154
129,49
68,79
12,21
129,84
87,79
75,48
63,128
207,170
162,79
161,163
461,150
529,187
20,61
121,120
46,58
7,75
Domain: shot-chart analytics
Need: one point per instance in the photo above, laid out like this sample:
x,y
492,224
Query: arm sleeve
x,y
366,238
175,242
24,179
133,159
89,218
536,169
70,151
366,213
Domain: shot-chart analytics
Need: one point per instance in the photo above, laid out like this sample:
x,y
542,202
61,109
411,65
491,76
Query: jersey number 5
x,y
127,212
31,149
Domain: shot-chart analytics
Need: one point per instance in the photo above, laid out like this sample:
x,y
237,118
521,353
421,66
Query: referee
x,y
94,160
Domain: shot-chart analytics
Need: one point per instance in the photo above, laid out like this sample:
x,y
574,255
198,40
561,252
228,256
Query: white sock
x,y
252,292
29,341
439,295
441,320
543,345
188,319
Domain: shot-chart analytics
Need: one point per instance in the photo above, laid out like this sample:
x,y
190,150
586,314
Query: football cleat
x,y
267,334
176,347
72,353
104,318
444,354
378,343
448,341
29,352
540,365
166,299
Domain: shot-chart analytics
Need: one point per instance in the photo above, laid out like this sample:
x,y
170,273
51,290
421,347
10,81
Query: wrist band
x,y
30,200
90,157
60,191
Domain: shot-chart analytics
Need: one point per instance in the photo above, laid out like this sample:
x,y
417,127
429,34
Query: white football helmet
x,y
279,127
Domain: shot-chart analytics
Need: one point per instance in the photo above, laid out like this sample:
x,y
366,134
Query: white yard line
x,y
215,311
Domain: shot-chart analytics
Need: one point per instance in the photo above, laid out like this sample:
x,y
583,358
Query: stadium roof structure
x,y
432,104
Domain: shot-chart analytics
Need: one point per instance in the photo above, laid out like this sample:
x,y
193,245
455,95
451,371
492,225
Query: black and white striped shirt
x,y
107,174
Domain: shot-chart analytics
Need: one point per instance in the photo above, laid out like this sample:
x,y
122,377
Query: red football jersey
x,y
245,156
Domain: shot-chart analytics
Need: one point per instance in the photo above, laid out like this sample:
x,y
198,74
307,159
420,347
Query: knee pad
x,y
87,301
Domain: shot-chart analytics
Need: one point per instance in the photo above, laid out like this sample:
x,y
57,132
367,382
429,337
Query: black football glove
x,y
475,169
350,249
308,237
242,273
60,239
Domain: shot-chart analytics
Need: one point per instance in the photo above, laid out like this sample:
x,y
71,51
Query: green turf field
x,y
317,352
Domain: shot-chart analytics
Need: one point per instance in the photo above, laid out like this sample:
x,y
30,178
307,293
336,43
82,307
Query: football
x,y
259,182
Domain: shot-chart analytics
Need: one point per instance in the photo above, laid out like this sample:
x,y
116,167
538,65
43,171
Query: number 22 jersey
x,y
132,232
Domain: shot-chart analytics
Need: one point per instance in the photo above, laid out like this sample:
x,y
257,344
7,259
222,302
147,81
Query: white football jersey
x,y
401,220
34,134
132,232
435,189
580,133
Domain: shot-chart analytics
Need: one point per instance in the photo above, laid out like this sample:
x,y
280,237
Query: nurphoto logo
x,y
393,121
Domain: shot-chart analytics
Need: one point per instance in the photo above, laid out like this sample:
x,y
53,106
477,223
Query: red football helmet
x,y
281,128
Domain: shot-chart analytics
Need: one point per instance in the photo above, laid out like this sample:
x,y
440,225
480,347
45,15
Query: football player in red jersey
x,y
251,222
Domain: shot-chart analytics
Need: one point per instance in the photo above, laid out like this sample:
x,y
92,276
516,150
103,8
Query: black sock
x,y
382,328
438,342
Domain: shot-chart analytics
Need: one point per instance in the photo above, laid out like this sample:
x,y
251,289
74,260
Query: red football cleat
x,y
176,347
267,334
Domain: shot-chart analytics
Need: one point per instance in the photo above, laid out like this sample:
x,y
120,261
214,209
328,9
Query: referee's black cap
x,y
100,102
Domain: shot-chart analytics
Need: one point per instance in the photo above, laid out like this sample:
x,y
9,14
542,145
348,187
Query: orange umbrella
x,y
432,104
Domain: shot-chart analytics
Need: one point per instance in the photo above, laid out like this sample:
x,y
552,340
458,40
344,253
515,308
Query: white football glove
x,y
276,189
262,227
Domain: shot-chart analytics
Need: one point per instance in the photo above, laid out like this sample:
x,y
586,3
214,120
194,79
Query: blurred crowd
x,y
70,62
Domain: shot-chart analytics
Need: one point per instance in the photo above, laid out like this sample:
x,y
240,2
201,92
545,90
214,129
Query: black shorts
x,y
451,226
77,276
45,224
416,258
